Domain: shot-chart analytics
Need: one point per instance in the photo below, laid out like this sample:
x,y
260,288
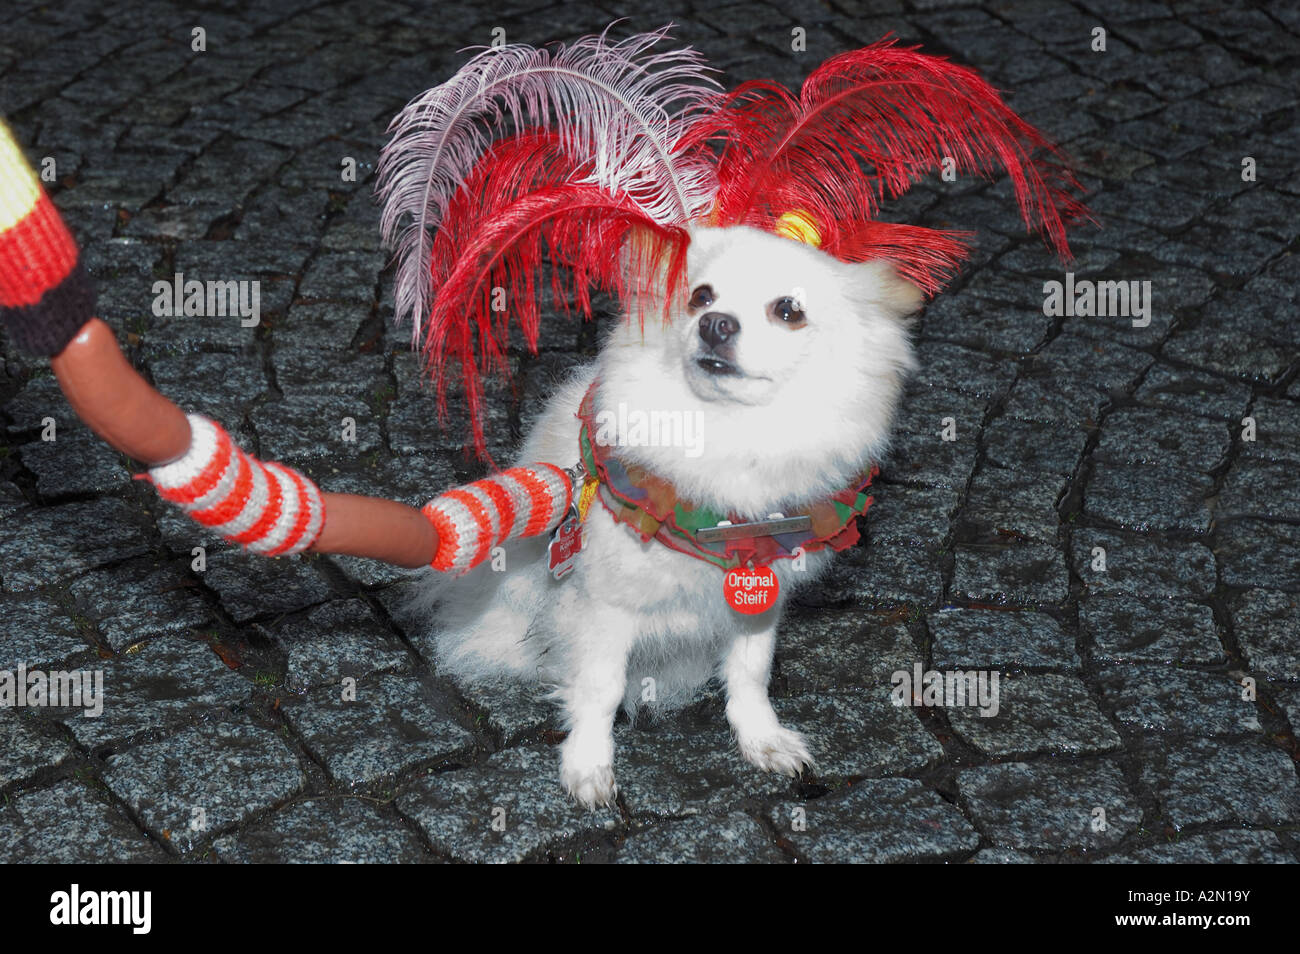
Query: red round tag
x,y
751,590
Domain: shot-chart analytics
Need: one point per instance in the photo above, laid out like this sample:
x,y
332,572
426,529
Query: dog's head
x,y
768,319
792,361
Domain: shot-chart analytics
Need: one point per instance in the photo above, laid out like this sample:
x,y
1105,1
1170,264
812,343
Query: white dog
x,y
792,362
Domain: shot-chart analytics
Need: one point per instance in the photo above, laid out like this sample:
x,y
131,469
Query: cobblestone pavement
x,y
1128,729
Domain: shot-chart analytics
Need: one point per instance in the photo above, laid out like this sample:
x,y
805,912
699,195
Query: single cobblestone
x,y
879,576
1252,490
324,831
69,823
1266,624
1047,807
1259,553
137,601
1123,627
338,640
25,748
517,789
38,632
921,454
1133,565
825,651
1019,573
916,516
853,732
167,683
1036,714
1239,847
218,385
878,821
204,781
1009,503
1166,386
1178,700
977,639
37,547
1204,782
251,586
76,463
515,710
735,839
1163,437
1150,498
673,772
381,726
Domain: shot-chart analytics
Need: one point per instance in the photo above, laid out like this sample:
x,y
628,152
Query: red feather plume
x,y
524,204
865,126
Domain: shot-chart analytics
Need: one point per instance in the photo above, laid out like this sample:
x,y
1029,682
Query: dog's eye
x,y
787,310
702,297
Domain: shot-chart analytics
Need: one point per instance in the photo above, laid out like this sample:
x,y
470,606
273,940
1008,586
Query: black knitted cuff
x,y
46,327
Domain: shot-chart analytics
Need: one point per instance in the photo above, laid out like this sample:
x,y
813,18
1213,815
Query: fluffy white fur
x,y
811,406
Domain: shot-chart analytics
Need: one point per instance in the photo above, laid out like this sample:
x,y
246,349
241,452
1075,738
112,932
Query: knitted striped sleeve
x,y
269,508
45,294
516,503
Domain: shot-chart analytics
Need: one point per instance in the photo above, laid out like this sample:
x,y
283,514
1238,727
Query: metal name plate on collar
x,y
565,546
759,528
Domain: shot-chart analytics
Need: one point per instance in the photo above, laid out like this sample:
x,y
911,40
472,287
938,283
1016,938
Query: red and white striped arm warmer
x,y
519,502
271,509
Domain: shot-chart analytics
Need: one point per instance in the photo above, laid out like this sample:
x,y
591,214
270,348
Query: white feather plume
x,y
618,105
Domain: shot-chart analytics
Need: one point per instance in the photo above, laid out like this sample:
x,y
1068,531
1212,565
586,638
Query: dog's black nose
x,y
716,328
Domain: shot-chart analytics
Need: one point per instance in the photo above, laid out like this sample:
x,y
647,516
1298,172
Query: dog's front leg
x,y
591,700
763,741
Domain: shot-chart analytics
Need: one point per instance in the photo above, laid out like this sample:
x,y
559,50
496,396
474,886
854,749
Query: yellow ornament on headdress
x,y
798,225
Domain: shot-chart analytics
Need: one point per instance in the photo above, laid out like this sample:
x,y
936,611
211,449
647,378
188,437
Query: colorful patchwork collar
x,y
650,506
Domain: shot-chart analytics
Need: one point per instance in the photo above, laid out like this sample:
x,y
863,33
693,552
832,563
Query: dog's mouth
x,y
713,377
714,365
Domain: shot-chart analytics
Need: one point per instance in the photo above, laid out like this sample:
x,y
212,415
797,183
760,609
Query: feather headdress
x,y
587,153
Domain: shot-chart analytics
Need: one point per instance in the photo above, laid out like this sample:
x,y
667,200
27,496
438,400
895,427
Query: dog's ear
x,y
879,283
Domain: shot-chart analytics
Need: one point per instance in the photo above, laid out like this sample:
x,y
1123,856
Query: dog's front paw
x,y
780,750
587,768
592,786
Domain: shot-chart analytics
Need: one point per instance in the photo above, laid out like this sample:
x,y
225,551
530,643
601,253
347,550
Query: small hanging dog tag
x,y
751,589
565,545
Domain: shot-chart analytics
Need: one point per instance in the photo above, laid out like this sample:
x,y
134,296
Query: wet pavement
x,y
1105,531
